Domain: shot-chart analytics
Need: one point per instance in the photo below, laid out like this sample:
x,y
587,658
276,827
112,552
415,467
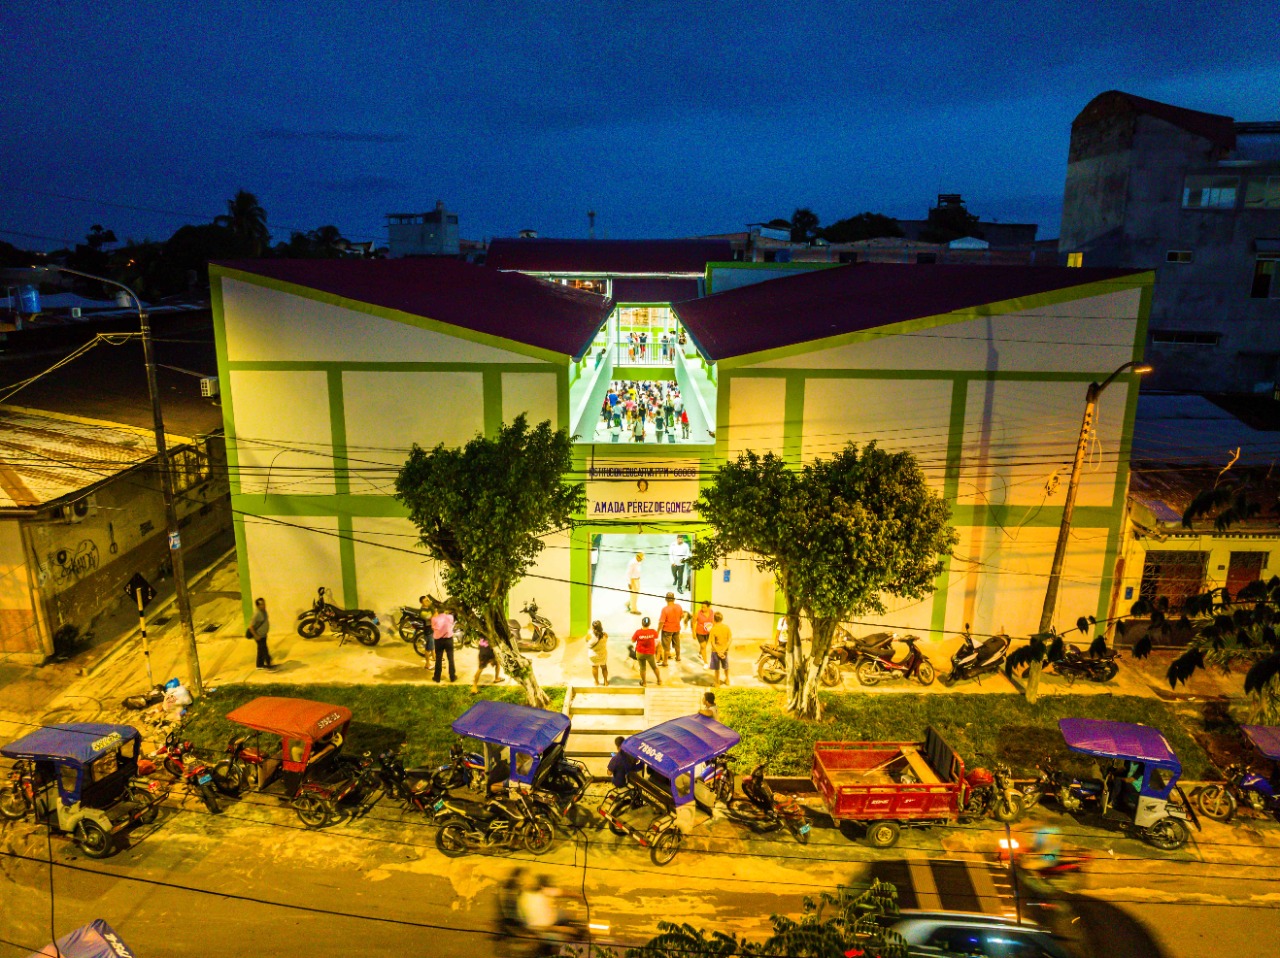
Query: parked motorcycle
x,y
463,770
762,810
178,758
872,668
1075,664
1089,795
511,824
1242,787
353,784
771,667
846,650
994,793
542,637
412,623
415,788
361,624
972,661
17,797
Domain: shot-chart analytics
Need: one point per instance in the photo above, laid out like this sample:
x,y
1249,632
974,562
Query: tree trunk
x,y
1033,682
795,654
494,626
808,705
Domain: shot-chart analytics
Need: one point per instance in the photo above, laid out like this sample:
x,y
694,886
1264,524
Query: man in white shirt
x,y
633,582
679,553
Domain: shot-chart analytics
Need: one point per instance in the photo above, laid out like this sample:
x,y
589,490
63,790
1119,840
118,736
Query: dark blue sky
x,y
668,119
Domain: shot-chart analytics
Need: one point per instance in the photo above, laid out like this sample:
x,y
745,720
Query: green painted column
x,y
950,489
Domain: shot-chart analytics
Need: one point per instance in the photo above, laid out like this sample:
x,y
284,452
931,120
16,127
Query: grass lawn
x,y
982,728
383,716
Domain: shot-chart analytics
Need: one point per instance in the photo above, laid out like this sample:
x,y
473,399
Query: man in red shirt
x,y
669,624
645,640
702,623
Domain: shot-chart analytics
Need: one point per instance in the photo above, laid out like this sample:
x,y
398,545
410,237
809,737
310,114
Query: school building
x,y
331,369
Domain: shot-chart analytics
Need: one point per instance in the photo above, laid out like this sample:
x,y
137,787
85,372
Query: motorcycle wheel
x,y
1216,802
367,633
311,627
420,645
451,839
925,673
312,810
1168,834
141,797
549,641
210,799
830,675
867,673
666,846
1007,808
948,680
228,777
1105,672
769,671
93,839
408,628
13,803
539,835
173,766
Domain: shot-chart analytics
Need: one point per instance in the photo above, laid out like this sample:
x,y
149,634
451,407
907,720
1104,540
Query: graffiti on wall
x,y
72,564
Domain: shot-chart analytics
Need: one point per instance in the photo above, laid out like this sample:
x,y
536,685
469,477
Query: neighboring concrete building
x,y
979,371
423,234
1195,197
81,512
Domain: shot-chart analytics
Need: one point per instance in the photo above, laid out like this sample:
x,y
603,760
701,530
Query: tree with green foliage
x,y
246,218
804,225
841,925
838,536
481,512
864,226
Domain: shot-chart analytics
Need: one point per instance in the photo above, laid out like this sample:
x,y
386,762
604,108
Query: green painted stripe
x,y
793,422
562,399
374,507
385,367
976,375
492,402
950,488
242,567
224,384
1085,517
579,576
338,433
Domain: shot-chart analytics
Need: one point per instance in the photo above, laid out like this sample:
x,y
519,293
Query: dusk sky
x,y
667,119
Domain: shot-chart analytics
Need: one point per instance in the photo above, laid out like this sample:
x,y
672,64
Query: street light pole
x,y
194,680
1064,530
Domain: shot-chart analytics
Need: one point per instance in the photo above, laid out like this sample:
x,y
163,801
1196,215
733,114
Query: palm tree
x,y
248,221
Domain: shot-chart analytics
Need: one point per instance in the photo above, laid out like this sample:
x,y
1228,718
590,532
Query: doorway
x,y
611,555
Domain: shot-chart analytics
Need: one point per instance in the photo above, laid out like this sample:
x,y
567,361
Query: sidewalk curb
x,y
131,638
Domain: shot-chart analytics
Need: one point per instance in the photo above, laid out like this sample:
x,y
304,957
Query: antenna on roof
x,y
591,224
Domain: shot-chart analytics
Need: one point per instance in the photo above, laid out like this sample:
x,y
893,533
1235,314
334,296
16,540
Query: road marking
x,y
926,889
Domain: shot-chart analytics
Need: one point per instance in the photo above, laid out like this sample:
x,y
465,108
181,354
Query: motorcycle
x,y
316,803
463,770
1243,786
542,636
1075,664
415,788
873,667
771,667
178,758
994,793
762,810
360,623
17,799
494,825
848,650
972,661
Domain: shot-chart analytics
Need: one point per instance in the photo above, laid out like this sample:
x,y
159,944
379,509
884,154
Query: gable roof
x,y
1214,127
510,306
572,256
819,304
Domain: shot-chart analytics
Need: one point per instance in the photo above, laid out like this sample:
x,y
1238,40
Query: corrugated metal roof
x,y
818,304
44,456
689,256
518,308
654,290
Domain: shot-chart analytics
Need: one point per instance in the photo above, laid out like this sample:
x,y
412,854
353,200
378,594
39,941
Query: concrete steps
x,y
592,701
599,715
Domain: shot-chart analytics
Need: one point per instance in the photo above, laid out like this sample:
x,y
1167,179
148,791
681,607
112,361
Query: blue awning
x,y
1123,740
95,940
76,742
1265,738
516,726
681,743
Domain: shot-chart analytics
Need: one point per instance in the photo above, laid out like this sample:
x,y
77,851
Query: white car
x,y
958,933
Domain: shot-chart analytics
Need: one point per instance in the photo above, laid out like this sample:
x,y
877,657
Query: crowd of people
x,y
640,410
652,649
645,347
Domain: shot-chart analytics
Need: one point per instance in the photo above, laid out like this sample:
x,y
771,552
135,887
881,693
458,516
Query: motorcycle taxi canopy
x,y
1265,738
95,940
1120,740
677,746
292,719
75,743
523,729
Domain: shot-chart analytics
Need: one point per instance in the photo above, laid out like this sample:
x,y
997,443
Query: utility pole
x,y
194,681
1068,507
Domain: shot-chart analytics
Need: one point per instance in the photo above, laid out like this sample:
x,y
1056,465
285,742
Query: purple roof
x,y
1265,738
680,743
1126,740
516,726
76,742
817,304
1214,127
628,290
607,256
95,940
507,305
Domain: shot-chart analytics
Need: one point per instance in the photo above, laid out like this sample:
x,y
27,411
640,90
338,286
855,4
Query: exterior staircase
x,y
599,715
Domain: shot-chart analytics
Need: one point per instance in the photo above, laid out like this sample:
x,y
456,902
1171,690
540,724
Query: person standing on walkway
x,y
721,639
669,625
637,427
702,623
634,568
259,626
679,554
646,640
424,606
598,653
684,424
486,659
442,632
